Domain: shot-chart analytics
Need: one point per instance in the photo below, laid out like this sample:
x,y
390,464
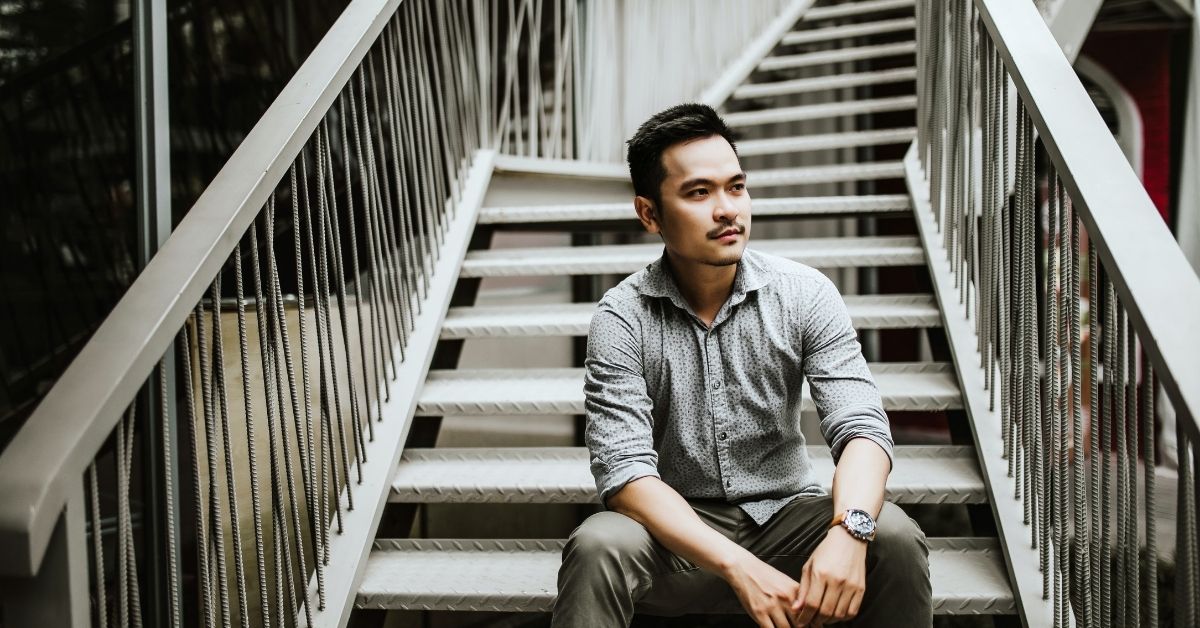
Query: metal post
x,y
58,594
154,226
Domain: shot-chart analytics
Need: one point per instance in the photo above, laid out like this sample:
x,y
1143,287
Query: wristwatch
x,y
857,522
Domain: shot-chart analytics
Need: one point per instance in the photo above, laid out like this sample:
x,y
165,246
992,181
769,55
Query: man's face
x,y
705,212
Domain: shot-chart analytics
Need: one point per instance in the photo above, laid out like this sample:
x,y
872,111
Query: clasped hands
x,y
830,589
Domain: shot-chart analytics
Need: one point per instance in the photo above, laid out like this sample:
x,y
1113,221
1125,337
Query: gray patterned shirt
x,y
713,411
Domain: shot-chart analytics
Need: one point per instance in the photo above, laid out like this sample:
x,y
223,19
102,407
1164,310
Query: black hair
x,y
681,123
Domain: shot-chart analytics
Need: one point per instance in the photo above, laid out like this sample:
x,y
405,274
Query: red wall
x,y
1140,61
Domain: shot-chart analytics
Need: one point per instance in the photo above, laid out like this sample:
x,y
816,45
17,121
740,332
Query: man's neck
x,y
703,286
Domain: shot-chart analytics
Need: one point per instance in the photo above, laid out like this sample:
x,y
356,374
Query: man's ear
x,y
646,213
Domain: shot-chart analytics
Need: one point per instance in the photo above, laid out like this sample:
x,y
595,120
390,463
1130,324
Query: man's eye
x,y
698,192
738,187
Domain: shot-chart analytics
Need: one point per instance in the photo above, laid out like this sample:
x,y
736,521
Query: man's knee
x,y
607,535
899,542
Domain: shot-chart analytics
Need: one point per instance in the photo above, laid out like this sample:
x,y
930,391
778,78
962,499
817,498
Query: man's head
x,y
689,185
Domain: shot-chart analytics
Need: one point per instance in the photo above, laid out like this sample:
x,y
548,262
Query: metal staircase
x,y
251,434
518,575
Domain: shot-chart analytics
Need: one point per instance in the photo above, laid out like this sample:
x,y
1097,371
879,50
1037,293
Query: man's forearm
x,y
860,477
671,521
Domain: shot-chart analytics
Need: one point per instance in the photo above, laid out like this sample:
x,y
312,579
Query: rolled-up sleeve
x,y
843,390
619,428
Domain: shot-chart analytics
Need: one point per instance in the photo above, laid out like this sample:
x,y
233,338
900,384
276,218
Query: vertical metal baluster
x,y
222,391
251,450
374,244
335,238
126,515
1017,337
266,354
1150,462
325,343
101,583
122,539
318,521
1037,365
1185,609
424,221
1120,382
1053,367
372,270
1106,439
1079,496
173,599
1095,290
202,538
1129,508
214,508
281,338
407,252
317,440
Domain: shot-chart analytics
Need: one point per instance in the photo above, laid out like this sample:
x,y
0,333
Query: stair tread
x,y
839,55
851,9
629,258
941,474
829,33
967,575
819,111
805,175
822,83
920,386
823,141
890,311
794,206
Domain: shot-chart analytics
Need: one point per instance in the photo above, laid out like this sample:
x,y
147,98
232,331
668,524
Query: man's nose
x,y
726,210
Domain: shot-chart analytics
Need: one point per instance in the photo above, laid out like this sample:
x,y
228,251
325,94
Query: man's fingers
x,y
842,608
779,618
805,582
811,602
829,602
855,605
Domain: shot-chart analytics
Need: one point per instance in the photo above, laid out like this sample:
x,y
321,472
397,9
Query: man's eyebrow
x,y
741,176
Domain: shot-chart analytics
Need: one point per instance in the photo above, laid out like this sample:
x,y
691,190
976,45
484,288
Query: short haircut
x,y
681,123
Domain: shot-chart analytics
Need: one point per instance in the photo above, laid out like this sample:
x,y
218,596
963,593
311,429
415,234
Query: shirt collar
x,y
658,281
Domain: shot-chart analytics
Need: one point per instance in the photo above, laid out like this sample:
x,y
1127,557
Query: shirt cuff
x,y
612,478
884,441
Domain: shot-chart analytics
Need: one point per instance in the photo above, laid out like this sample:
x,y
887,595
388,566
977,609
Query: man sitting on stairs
x,y
694,368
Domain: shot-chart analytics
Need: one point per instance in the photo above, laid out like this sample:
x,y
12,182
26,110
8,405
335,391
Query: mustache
x,y
739,227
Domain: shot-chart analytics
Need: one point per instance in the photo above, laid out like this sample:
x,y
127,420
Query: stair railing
x,y
289,321
1068,306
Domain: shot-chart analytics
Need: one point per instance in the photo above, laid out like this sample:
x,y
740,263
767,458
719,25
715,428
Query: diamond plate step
x,y
967,574
798,207
810,175
623,259
840,55
833,33
921,386
854,9
824,141
889,311
824,83
823,110
561,475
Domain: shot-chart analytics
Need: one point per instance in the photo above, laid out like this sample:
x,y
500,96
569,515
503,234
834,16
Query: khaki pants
x,y
613,568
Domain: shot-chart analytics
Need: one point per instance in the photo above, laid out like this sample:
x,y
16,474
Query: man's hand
x,y
765,592
833,580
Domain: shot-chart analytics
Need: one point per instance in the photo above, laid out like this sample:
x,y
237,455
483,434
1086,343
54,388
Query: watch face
x,y
860,523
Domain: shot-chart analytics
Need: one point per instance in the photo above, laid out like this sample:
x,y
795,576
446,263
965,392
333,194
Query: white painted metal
x,y
58,595
1021,559
826,174
1070,23
854,9
510,576
717,93
48,456
825,141
903,386
823,110
831,33
562,167
797,207
921,474
891,311
348,550
839,55
628,258
824,83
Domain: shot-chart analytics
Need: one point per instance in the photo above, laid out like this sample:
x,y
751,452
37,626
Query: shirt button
x,y
728,483
722,436
717,384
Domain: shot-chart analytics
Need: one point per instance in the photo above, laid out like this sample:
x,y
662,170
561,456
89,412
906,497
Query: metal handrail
x,y
48,456
1152,277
